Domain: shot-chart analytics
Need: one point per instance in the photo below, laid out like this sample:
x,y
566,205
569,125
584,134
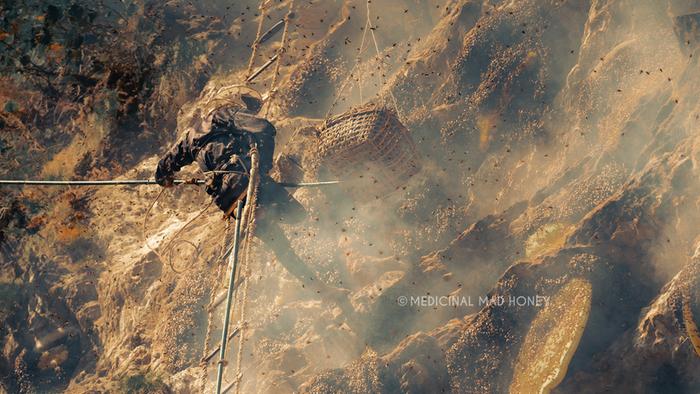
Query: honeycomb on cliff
x,y
369,149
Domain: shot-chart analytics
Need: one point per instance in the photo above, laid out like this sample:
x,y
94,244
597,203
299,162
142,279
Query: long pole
x,y
232,262
96,183
141,182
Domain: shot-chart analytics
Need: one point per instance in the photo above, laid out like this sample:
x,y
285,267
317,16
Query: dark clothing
x,y
223,146
224,143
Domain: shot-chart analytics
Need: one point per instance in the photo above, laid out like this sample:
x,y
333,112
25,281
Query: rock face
x,y
557,201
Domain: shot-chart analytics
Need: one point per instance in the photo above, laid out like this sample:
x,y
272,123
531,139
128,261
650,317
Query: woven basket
x,y
369,149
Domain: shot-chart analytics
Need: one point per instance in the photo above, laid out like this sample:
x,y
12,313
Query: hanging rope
x,y
210,310
349,78
249,223
359,56
282,49
382,70
174,239
230,299
256,43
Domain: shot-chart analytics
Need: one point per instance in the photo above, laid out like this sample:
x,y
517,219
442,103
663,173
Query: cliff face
x,y
560,159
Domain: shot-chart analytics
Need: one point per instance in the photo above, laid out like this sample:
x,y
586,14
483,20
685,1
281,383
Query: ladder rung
x,y
271,32
216,350
262,68
229,387
222,296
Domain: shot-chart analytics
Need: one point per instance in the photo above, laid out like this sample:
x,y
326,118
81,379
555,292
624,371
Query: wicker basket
x,y
369,149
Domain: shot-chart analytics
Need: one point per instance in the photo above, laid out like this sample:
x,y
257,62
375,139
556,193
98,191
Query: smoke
x,y
528,116
558,112
374,247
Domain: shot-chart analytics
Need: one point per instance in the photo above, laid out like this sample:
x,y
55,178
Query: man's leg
x,y
226,189
270,232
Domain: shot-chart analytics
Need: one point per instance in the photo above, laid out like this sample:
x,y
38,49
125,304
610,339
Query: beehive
x,y
369,149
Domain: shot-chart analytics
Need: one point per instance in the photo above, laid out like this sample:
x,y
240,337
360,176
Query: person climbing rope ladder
x,y
221,145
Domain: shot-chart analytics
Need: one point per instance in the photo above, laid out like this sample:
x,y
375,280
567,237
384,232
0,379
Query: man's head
x,y
243,97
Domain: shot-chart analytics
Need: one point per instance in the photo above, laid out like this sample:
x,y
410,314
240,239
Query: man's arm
x,y
179,156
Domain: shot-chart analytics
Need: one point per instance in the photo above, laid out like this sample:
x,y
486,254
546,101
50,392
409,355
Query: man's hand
x,y
165,181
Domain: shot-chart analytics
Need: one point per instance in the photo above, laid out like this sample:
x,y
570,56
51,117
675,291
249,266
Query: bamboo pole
x,y
137,182
233,261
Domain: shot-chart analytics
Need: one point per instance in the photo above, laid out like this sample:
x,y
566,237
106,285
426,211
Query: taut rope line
x,y
359,54
282,49
256,43
382,70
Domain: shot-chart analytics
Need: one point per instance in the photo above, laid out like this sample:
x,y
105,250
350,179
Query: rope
x,y
249,222
174,238
143,229
349,78
382,70
282,49
210,311
359,54
340,92
256,43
